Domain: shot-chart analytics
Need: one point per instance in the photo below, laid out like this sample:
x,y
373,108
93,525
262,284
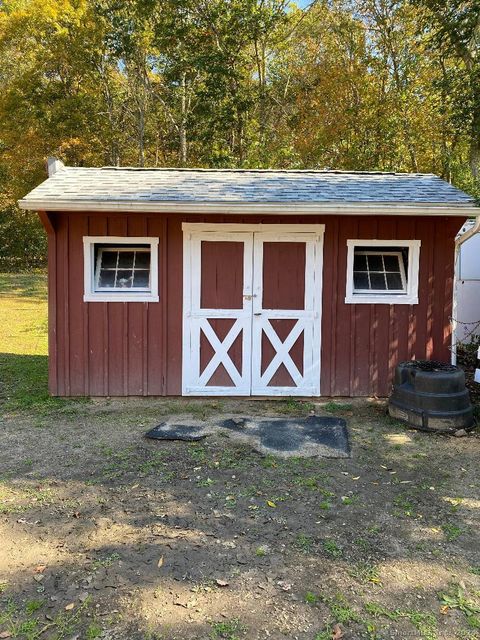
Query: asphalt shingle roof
x,y
128,185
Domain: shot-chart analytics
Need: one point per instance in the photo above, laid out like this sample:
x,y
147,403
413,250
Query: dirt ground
x,y
104,534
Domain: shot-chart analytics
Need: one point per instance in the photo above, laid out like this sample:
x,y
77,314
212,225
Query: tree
x,y
453,29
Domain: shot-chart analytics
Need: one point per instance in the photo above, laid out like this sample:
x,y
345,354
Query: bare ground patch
x,y
108,535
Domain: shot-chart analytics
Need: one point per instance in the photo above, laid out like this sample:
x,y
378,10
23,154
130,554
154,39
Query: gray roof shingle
x,y
122,186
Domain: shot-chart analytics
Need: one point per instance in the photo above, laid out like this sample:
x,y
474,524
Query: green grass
x,y
451,531
332,549
229,630
337,407
23,342
21,624
456,599
303,543
24,346
425,623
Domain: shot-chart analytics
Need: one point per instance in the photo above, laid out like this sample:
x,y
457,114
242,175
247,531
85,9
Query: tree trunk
x,y
475,144
183,119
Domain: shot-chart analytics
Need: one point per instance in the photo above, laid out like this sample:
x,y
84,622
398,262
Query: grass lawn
x,y
106,535
23,339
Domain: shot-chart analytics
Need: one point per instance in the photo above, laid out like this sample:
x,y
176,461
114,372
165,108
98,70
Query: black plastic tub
x,y
431,396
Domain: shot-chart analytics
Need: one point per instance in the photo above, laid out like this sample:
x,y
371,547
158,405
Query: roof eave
x,y
285,208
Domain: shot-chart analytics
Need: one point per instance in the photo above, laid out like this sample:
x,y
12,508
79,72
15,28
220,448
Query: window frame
x,y
93,294
409,296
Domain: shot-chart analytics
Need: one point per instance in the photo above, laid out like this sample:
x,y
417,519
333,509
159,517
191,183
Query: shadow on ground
x,y
211,540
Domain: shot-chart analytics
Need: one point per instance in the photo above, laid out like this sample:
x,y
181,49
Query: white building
x,y
468,287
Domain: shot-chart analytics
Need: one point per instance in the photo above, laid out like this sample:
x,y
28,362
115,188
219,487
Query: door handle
x,y
259,313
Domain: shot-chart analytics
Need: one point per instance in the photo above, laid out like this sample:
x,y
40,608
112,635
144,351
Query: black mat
x,y
315,435
167,431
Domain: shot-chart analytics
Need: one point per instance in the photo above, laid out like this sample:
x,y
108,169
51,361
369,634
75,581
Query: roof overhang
x,y
269,208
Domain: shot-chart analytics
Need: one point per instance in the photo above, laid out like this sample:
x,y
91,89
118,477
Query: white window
x,y
382,271
119,269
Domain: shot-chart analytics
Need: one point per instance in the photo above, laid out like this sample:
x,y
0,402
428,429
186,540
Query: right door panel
x,y
286,314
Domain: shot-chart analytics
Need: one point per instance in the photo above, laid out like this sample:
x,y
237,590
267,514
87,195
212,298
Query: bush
x,y
23,241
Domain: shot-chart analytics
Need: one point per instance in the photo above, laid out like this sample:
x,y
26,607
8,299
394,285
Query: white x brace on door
x,y
252,309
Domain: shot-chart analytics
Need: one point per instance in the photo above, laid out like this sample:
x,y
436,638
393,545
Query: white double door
x,y
251,309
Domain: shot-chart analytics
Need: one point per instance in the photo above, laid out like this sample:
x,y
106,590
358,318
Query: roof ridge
x,y
243,170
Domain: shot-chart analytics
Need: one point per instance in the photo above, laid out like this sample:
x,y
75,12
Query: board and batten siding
x,y
134,348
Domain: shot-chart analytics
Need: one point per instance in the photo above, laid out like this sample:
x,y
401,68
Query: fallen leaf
x,y
271,503
355,477
221,583
40,568
444,610
160,562
5,634
70,606
337,632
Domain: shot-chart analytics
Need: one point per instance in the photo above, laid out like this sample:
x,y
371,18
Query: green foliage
x,y
229,630
332,549
456,599
451,531
311,598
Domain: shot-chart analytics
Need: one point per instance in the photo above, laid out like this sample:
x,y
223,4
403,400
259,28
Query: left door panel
x,y
217,314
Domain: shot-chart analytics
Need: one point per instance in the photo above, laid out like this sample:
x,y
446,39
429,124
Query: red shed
x,y
244,282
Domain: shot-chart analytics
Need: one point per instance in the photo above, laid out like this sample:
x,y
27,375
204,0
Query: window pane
x,y
141,278
109,259
391,263
375,263
124,279
360,280
360,262
394,281
125,259
142,260
107,278
377,281
122,268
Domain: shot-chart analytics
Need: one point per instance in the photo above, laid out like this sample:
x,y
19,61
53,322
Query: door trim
x,y
222,227
228,231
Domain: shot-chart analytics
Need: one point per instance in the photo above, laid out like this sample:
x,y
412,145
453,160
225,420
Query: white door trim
x,y
227,227
194,317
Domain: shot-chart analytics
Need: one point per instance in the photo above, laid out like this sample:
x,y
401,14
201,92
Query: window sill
x,y
380,299
113,297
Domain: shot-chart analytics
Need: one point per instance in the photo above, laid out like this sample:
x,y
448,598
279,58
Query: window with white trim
x,y
120,269
382,271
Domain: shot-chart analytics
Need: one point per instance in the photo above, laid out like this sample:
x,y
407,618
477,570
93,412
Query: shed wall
x,y
130,348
